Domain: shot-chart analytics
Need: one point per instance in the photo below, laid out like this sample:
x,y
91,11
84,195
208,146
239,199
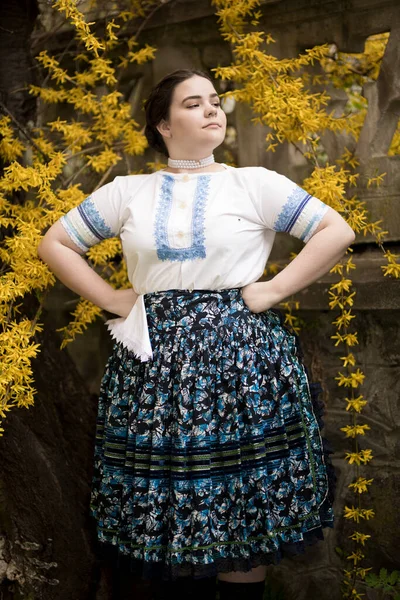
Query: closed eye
x,y
194,105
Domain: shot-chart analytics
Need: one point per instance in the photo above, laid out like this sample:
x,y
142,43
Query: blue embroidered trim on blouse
x,y
200,200
291,210
162,215
197,249
316,218
73,233
93,220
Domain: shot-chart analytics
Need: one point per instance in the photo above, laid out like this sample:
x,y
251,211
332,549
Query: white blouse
x,y
191,231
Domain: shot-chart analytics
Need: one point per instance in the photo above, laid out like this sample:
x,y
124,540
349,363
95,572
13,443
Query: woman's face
x,y
188,133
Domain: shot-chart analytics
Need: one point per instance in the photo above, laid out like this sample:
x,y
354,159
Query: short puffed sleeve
x,y
98,217
285,206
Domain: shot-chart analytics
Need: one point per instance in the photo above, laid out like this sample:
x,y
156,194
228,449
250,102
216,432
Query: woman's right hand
x,y
65,259
121,302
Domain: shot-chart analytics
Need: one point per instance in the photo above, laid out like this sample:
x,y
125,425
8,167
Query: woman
x,y
208,460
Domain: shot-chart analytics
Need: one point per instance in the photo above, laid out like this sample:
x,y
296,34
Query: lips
x,y
209,125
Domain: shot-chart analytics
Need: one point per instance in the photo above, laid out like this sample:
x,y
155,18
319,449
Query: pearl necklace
x,y
191,164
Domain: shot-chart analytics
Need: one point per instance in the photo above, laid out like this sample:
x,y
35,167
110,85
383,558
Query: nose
x,y
212,110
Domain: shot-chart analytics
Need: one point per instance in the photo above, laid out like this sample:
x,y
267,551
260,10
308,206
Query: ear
x,y
164,129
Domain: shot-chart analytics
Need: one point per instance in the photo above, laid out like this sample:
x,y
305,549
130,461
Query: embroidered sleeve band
x,y
85,225
300,215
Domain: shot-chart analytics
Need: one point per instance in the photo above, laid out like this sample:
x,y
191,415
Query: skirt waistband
x,y
173,309
186,293
194,309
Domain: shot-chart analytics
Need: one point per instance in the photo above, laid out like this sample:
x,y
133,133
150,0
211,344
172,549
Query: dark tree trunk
x,y
47,539
17,19
45,470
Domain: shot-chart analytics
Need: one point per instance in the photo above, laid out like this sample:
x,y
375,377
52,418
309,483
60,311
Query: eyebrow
x,y
197,97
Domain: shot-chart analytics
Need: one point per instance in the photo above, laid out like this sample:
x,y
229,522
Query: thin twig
x,y
299,149
39,310
145,21
84,151
127,165
102,180
90,149
7,30
74,176
22,130
141,26
36,40
58,59
315,156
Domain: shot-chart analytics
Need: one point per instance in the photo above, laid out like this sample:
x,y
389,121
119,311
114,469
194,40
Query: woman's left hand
x,y
259,296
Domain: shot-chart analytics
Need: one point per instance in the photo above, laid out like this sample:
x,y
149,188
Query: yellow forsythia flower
x,y
356,556
361,485
354,430
358,513
356,404
363,456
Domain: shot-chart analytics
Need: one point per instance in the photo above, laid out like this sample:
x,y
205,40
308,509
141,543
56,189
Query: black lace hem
x,y
167,572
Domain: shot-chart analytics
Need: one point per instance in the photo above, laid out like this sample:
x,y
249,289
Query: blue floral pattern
x,y
197,249
209,458
291,210
93,219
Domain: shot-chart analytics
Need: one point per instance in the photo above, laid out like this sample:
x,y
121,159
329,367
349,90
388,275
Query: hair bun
x,y
155,140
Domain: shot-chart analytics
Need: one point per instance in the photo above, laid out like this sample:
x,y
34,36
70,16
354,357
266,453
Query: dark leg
x,y
185,588
241,591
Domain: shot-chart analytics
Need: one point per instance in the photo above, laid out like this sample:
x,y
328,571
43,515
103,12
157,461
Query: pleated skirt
x,y
209,457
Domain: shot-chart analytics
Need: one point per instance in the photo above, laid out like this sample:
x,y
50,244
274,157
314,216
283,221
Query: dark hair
x,y
158,104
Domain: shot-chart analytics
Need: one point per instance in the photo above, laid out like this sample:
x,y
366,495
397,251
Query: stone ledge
x,y
374,291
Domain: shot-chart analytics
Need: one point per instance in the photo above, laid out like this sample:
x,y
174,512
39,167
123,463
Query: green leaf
x,y
371,579
383,574
394,576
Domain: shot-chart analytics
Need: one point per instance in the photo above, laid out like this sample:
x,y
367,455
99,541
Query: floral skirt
x,y
209,457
